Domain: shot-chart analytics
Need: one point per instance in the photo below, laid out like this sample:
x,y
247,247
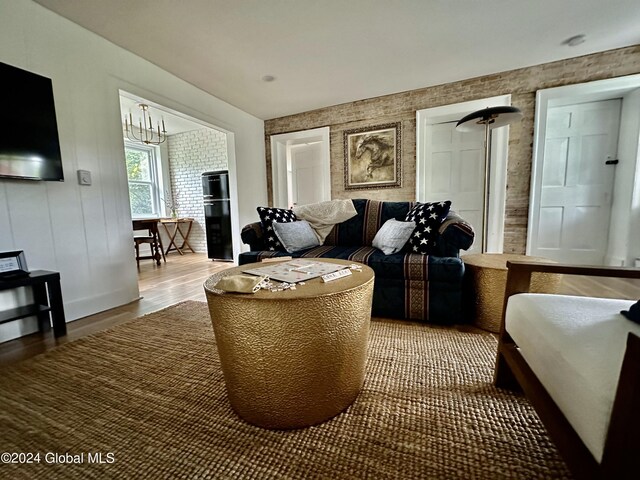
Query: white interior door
x,y
302,144
306,172
461,179
577,184
456,172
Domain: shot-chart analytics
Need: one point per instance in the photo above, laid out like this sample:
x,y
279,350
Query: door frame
x,y
498,162
162,103
567,95
279,152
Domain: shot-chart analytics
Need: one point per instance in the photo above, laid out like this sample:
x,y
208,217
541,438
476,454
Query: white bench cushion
x,y
575,346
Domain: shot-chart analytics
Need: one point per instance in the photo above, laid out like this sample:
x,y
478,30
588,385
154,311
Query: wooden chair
x,y
152,238
620,459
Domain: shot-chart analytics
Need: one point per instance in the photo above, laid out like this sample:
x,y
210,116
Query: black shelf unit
x,y
47,298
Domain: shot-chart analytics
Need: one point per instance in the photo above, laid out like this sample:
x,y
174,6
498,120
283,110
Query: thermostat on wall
x,y
84,177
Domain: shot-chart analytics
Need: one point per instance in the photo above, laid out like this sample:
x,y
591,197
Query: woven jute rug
x,y
149,396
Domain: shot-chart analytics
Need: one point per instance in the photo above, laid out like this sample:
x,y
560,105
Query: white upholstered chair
x,y
578,361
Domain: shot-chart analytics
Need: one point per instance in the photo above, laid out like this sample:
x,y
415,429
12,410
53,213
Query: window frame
x,y
154,183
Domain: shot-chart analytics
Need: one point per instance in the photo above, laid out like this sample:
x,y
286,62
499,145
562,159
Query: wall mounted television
x,y
29,143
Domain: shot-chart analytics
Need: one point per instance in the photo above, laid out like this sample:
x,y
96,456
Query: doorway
x,y
450,166
584,182
304,168
165,180
300,167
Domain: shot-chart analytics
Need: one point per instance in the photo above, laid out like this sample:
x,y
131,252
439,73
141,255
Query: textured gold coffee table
x,y
293,358
486,279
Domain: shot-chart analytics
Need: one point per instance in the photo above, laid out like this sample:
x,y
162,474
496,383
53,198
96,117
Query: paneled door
x,y
300,167
455,171
577,182
306,172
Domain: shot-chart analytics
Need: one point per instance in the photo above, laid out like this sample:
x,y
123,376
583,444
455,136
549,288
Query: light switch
x,y
84,177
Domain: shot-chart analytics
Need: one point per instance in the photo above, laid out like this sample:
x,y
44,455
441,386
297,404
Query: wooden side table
x,y
173,232
485,282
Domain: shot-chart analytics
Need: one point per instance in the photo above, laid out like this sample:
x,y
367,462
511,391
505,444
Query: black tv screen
x,y
29,144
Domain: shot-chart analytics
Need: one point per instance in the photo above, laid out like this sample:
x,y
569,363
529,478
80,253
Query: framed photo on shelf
x,y
372,157
13,264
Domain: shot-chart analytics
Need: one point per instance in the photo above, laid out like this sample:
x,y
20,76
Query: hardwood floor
x,y
625,288
181,278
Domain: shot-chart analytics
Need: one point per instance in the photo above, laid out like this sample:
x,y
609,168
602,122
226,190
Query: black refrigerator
x,y
217,215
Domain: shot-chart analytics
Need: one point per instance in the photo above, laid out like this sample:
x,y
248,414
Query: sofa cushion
x,y
393,235
295,236
407,285
315,252
361,229
268,215
428,217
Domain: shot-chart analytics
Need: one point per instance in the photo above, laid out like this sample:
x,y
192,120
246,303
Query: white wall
x,y
190,155
85,232
622,221
627,198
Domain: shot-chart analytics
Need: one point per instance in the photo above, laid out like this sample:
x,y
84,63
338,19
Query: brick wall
x,y
522,84
190,155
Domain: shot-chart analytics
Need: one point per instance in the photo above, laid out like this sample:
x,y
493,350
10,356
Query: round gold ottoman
x,y
486,279
293,358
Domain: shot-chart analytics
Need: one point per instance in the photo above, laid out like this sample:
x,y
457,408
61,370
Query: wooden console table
x,y
175,222
47,297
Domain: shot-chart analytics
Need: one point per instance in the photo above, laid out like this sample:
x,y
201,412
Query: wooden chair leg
x,y
503,376
161,249
156,251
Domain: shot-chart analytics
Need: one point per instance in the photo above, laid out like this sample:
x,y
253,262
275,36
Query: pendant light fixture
x,y
145,131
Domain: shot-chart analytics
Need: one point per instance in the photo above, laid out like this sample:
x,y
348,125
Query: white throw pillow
x,y
295,236
393,235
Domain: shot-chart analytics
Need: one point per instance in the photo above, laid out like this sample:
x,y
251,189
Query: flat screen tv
x,y
29,144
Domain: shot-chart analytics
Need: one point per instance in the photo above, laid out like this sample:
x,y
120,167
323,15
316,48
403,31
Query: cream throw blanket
x,y
324,215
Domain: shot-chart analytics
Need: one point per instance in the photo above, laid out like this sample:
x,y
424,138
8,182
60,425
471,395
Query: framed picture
x,y
13,263
372,157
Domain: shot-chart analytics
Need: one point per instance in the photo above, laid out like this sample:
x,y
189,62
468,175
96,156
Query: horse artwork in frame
x,y
372,157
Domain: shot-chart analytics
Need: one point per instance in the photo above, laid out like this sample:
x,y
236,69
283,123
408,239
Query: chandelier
x,y
146,134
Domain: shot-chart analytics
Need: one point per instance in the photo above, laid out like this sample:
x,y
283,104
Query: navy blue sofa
x,y
407,285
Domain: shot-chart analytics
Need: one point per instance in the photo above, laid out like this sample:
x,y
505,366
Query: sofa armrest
x,y
455,234
252,235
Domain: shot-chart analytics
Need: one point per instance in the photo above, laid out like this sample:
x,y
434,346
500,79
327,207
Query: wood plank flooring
x,y
181,278
626,288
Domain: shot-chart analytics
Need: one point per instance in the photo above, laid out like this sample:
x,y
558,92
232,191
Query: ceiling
x,y
174,123
327,52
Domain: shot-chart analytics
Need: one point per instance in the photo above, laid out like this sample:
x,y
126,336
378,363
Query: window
x,y
143,181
